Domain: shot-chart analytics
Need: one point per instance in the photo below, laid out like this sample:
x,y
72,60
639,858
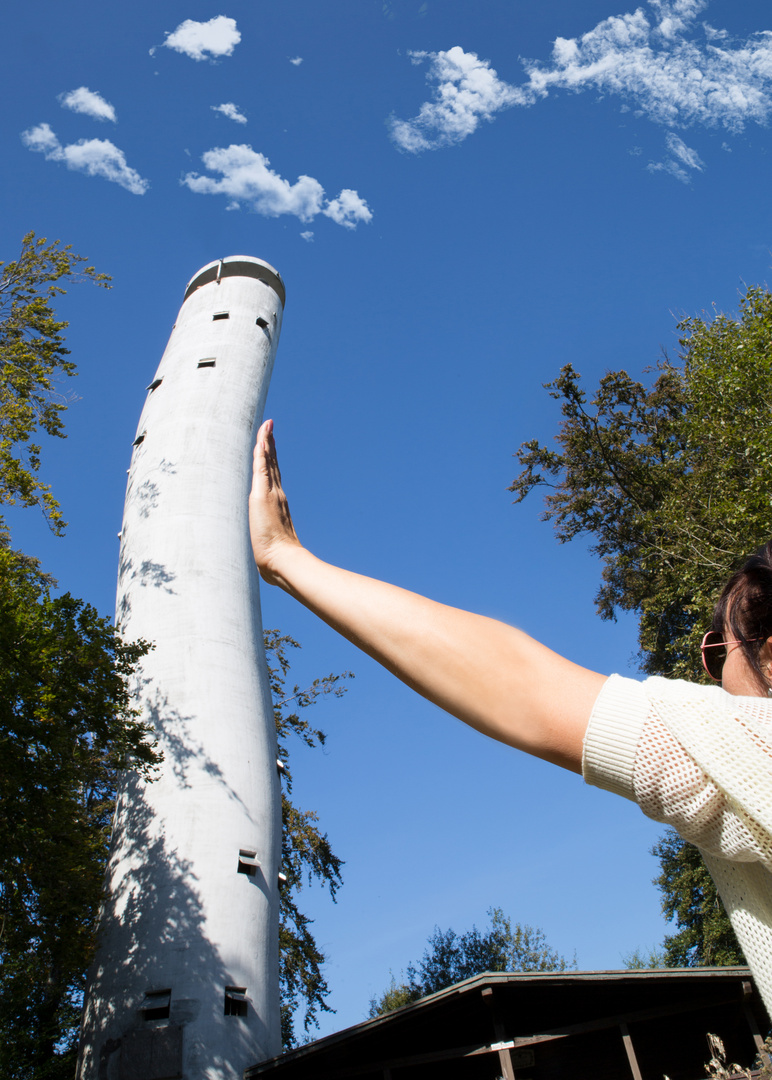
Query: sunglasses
x,y
714,653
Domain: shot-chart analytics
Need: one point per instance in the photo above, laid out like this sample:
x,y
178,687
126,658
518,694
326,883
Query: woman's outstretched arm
x,y
490,675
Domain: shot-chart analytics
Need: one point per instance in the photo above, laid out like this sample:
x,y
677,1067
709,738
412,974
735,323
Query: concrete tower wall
x,y
186,979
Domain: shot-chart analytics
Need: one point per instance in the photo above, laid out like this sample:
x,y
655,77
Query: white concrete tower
x,y
185,983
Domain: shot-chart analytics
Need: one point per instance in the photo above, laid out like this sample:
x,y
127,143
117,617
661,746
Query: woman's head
x,y
744,614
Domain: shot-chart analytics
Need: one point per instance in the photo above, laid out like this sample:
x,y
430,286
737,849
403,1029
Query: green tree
x,y
306,852
33,356
645,959
450,957
690,899
67,730
66,725
670,481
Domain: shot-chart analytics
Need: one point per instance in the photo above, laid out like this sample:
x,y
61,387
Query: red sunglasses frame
x,y
714,645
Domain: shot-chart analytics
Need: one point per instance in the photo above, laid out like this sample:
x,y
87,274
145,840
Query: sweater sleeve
x,y
613,733
630,749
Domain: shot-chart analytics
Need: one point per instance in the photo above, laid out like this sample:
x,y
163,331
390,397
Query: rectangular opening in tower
x,y
209,361
154,385
156,1005
236,1001
220,315
261,322
248,863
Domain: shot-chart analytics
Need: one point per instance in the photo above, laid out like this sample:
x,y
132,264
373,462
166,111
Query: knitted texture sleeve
x,y
700,760
693,757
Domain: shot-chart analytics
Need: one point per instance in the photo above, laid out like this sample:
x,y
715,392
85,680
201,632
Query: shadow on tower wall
x,y
157,936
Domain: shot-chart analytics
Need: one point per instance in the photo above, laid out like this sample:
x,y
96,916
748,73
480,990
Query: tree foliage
x,y
67,729
33,356
690,899
66,725
306,852
671,482
645,959
450,957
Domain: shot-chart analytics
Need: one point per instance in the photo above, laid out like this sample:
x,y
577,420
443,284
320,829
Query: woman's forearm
x,y
490,675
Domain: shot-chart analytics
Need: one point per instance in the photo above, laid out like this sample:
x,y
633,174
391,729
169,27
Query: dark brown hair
x,y
744,609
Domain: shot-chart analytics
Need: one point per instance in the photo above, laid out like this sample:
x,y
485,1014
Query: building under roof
x,y
604,1025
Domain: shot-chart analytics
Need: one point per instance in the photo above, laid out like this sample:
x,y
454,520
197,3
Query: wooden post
x,y
760,1047
630,1051
505,1057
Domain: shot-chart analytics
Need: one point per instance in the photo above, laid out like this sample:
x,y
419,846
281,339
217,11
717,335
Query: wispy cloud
x,y
202,40
247,178
468,90
231,111
681,158
296,60
663,64
95,157
308,236
88,102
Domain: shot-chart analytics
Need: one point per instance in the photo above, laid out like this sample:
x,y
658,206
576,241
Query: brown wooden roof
x,y
597,1024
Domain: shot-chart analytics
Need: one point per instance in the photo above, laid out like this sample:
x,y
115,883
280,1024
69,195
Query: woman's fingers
x,y
270,521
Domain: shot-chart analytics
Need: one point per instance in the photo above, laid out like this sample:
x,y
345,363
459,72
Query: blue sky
x,y
461,198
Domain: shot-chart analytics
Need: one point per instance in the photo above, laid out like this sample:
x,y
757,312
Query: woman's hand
x,y
270,522
486,673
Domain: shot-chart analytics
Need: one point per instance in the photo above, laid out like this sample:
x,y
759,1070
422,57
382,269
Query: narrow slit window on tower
x,y
156,1005
235,1001
261,322
154,385
220,315
139,439
208,361
248,862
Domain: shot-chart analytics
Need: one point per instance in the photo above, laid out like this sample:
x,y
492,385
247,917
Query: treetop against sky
x,y
461,199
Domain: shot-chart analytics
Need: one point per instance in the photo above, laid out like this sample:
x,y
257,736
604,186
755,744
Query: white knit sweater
x,y
700,760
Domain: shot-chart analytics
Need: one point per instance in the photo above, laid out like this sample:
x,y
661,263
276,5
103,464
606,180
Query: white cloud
x,y
231,111
348,209
660,61
680,155
95,157
308,236
297,61
671,78
246,177
468,90
89,102
684,153
218,37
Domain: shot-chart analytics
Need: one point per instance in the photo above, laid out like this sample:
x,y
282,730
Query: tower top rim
x,y
237,266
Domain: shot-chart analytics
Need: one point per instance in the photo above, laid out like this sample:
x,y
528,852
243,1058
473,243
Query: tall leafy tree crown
x,y
671,481
67,727
450,957
33,357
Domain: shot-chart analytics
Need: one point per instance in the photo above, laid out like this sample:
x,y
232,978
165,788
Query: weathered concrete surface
x,y
180,916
